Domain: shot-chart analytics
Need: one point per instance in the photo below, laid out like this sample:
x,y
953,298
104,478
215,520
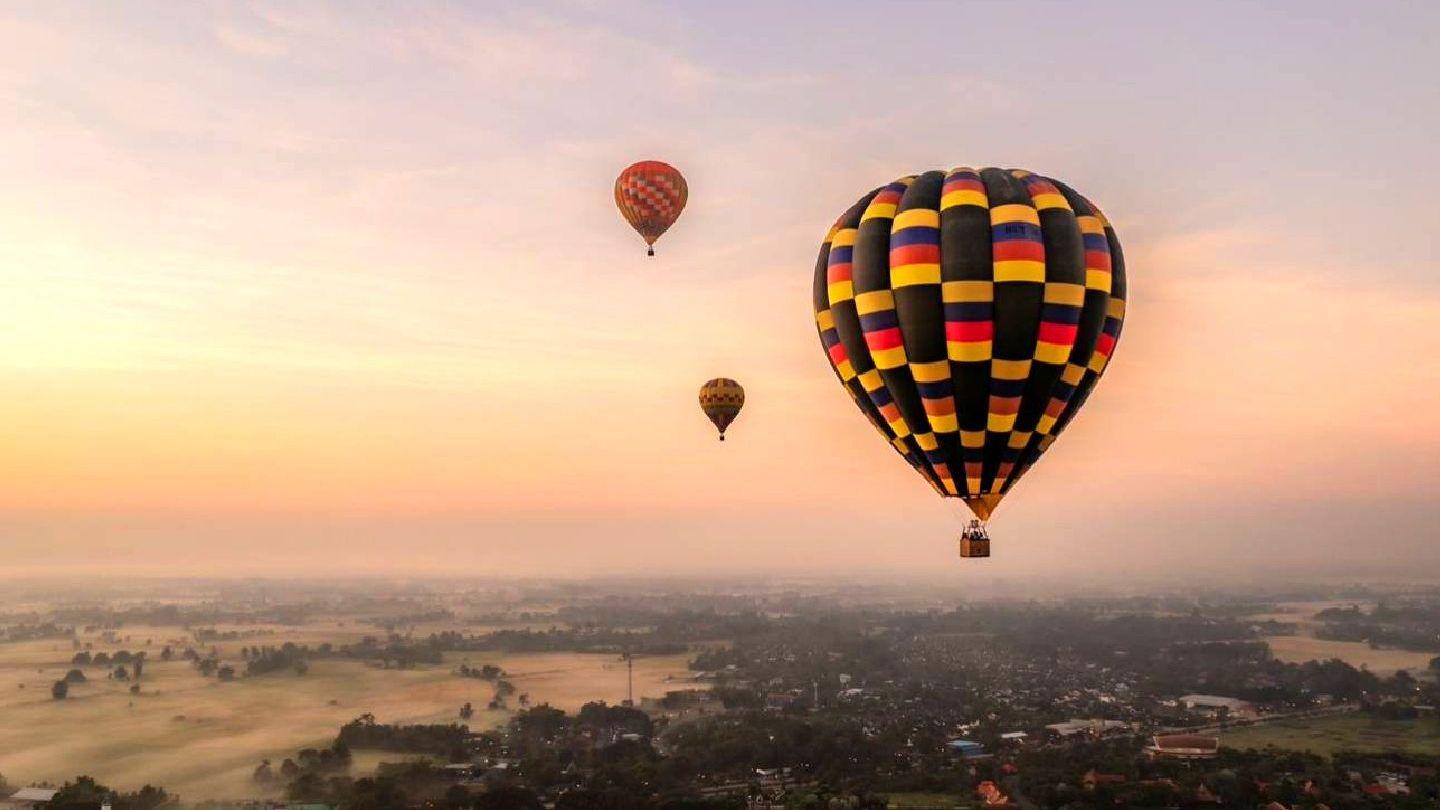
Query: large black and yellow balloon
x,y
969,315
721,399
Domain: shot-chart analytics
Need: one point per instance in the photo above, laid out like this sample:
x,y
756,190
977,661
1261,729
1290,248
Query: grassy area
x,y
1327,735
924,801
203,738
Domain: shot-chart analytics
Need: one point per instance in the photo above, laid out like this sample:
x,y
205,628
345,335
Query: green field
x,y
1326,735
924,801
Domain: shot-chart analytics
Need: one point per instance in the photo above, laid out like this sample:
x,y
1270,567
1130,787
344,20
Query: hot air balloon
x,y
969,314
650,195
721,399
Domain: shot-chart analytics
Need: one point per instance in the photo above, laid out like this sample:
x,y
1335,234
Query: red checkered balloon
x,y
650,195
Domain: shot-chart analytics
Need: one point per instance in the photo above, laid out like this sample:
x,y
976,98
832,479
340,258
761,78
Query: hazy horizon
x,y
329,289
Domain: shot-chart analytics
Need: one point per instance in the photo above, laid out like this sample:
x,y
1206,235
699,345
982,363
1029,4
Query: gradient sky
x,y
341,287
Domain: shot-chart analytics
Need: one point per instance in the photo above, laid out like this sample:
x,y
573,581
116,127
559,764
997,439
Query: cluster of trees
x,y
487,672
61,689
84,793
448,740
310,764
36,631
1407,626
286,657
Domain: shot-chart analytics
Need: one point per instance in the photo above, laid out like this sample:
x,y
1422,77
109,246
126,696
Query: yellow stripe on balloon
x,y
867,303
1049,201
1061,293
1020,270
909,275
944,423
969,351
964,196
878,211
930,372
1052,353
916,218
1010,369
1014,212
889,358
1000,422
963,292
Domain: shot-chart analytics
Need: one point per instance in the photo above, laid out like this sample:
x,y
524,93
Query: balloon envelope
x,y
969,314
650,195
721,399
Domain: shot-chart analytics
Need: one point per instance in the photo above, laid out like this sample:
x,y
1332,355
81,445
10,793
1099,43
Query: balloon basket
x,y
974,541
650,251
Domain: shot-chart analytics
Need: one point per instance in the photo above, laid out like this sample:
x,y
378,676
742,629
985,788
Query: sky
x,y
340,287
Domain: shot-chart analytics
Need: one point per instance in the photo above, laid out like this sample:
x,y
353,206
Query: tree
x,y
59,690
467,711
139,664
264,774
121,674
75,676
167,653
101,660
508,797
82,659
225,673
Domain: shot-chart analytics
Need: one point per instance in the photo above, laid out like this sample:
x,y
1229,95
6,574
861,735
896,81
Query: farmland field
x,y
1300,649
202,738
1326,735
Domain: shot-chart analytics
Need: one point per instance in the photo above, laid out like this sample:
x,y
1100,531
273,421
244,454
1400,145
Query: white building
x,y
1213,704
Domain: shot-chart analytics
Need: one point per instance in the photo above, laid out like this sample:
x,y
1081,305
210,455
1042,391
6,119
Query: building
x,y
1183,746
1215,705
1094,778
28,798
968,749
1095,728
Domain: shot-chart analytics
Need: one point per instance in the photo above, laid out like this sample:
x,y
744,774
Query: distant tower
x,y
629,679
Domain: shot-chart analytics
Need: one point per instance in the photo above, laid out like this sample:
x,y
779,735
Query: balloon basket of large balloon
x,y
649,251
974,547
974,541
